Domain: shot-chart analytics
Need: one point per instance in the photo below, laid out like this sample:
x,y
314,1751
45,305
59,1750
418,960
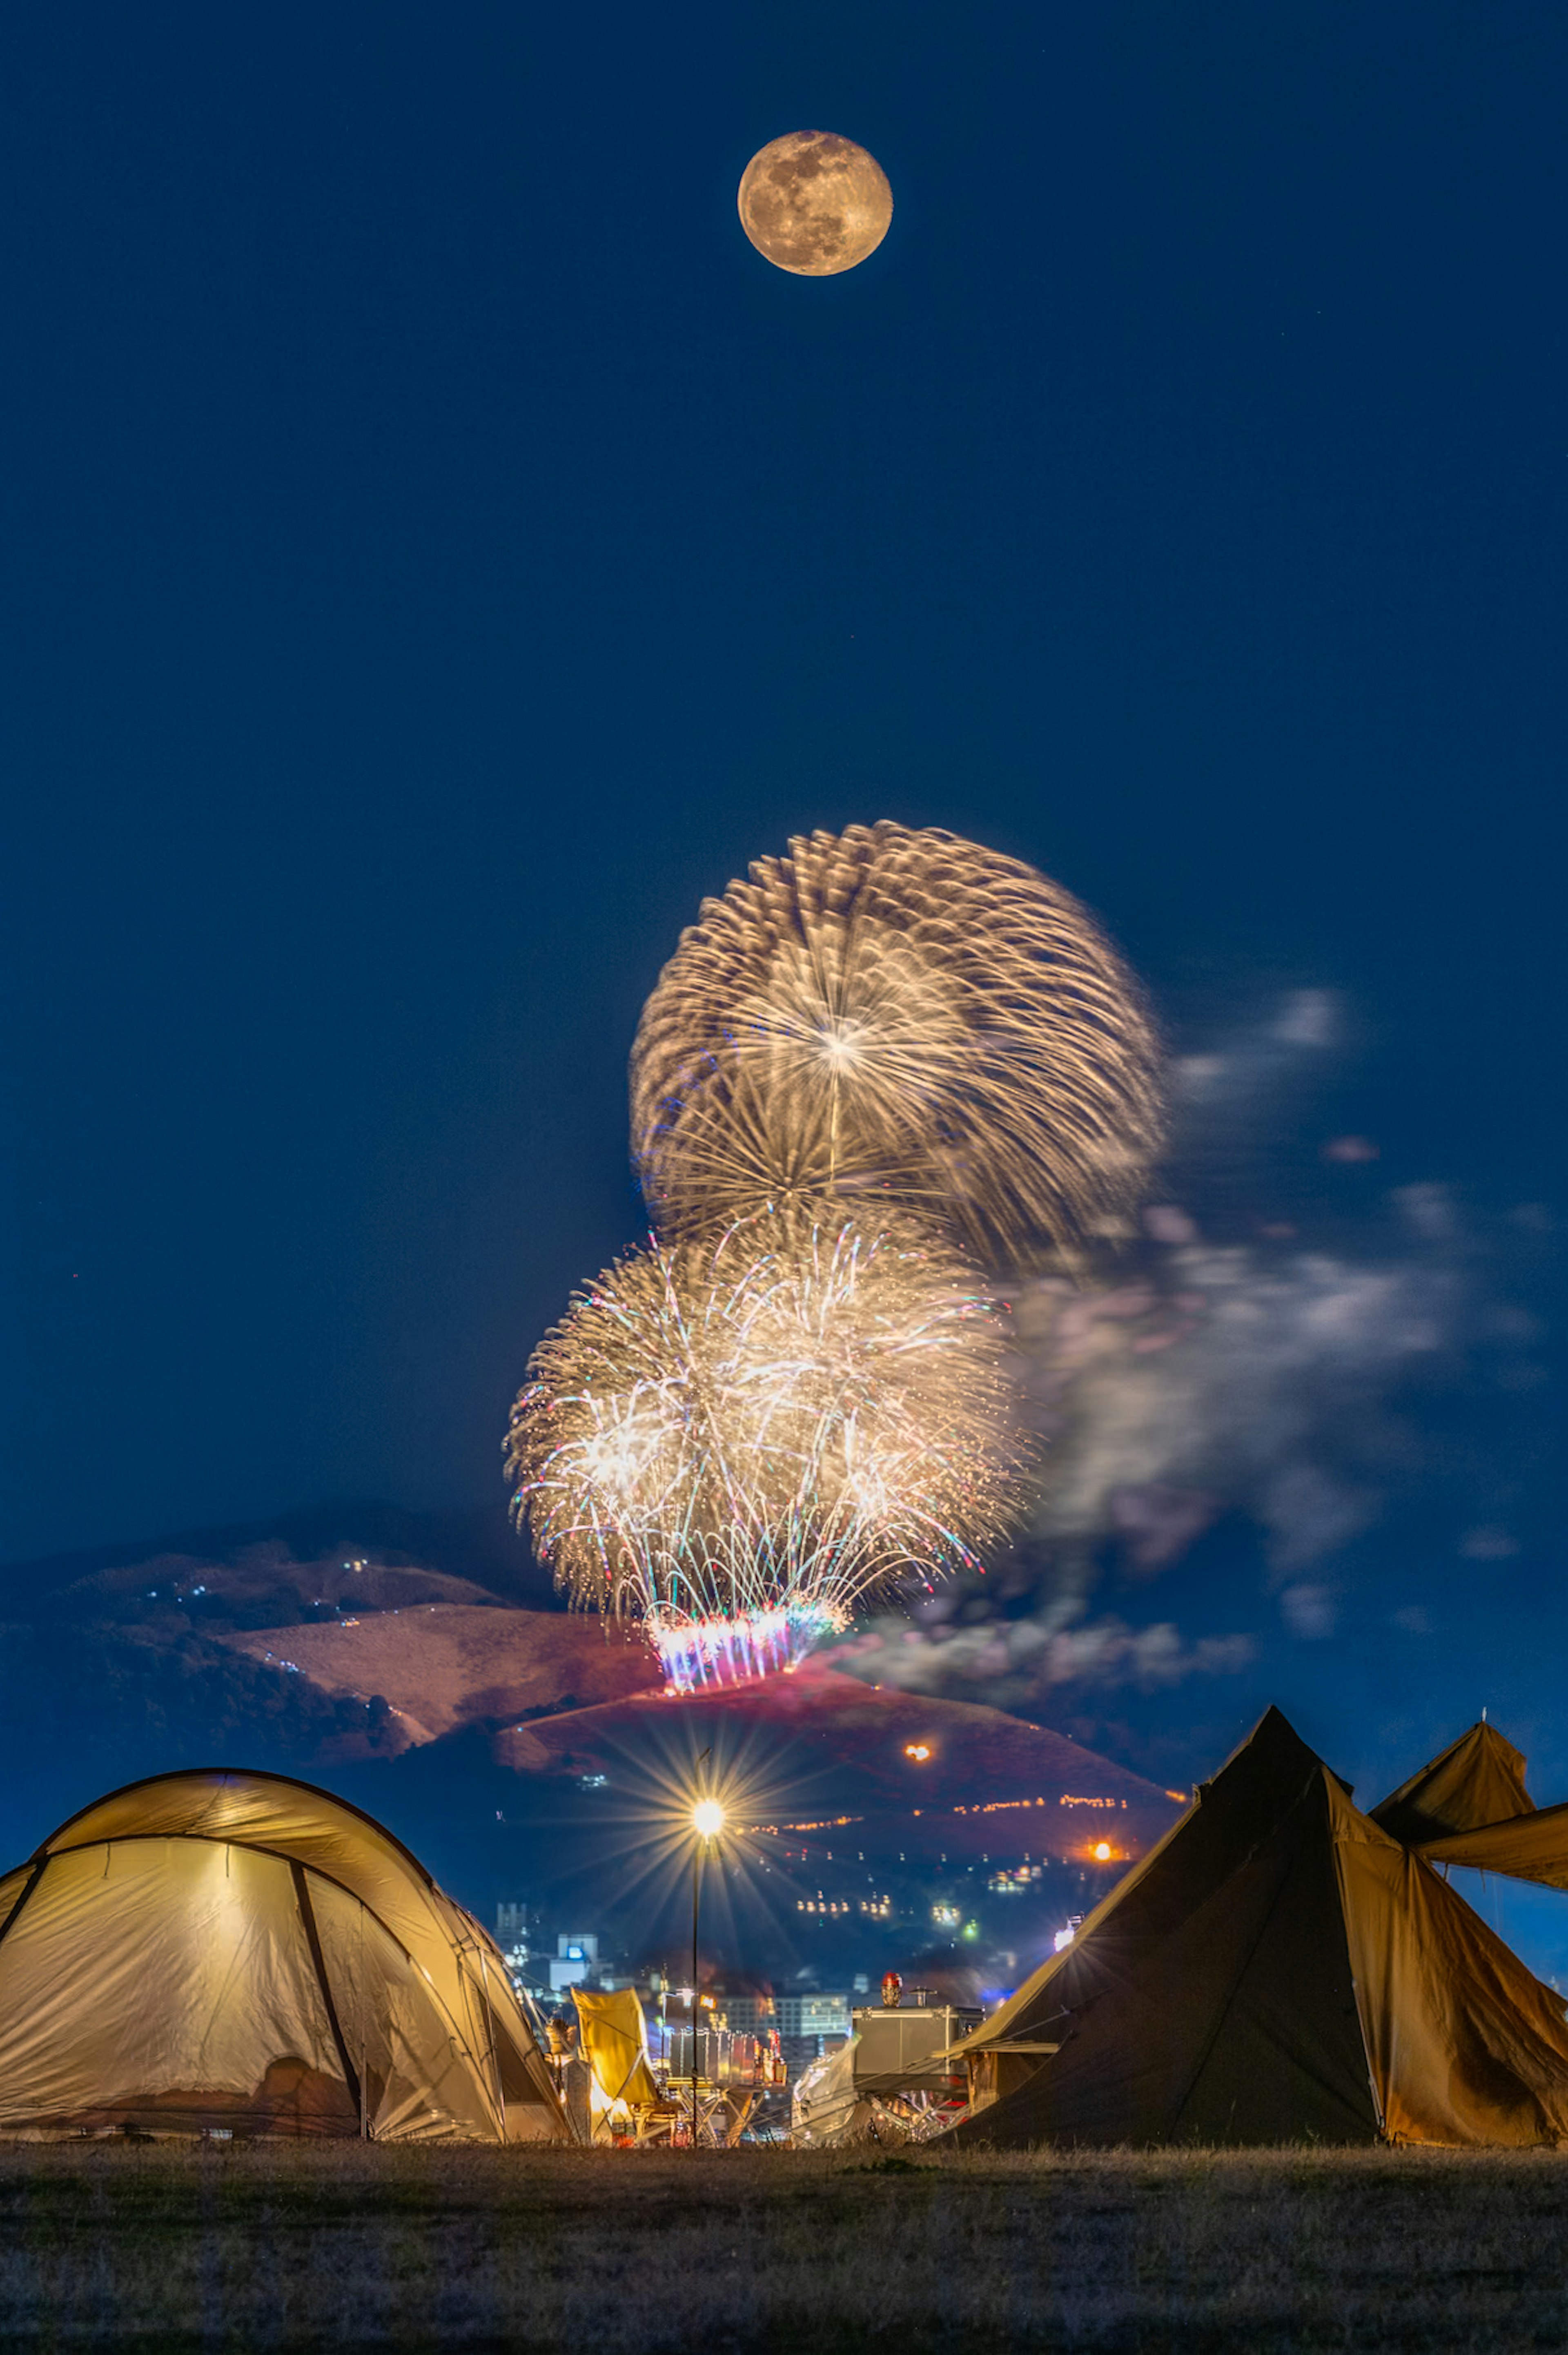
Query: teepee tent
x,y
220,1950
1479,1779
1278,1969
1461,1810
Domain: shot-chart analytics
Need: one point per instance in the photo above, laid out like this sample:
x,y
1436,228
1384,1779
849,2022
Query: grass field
x,y
615,2253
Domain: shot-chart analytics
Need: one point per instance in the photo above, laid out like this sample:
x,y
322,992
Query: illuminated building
x,y
575,1960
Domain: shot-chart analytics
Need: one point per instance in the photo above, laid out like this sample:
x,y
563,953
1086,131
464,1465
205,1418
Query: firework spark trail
x,y
738,1441
904,1016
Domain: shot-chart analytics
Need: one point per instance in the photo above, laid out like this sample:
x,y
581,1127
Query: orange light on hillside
x,y
919,1750
1102,1851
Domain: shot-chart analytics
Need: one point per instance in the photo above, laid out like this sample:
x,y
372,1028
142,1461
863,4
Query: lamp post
x,y
707,1822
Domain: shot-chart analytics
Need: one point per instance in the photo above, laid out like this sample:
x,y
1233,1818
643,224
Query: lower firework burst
x,y
737,1442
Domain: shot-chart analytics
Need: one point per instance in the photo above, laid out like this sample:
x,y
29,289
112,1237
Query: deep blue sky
x,y
439,549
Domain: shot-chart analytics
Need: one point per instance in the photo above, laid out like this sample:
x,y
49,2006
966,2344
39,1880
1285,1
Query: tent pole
x,y
494,2046
696,1900
28,1886
312,1941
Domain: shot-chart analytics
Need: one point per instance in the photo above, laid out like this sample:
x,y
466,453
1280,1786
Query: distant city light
x,y
919,1750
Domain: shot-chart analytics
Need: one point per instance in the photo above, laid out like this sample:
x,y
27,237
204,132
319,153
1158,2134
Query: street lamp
x,y
707,1823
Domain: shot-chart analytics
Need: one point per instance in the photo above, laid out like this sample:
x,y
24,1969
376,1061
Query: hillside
x,y
444,1665
879,1750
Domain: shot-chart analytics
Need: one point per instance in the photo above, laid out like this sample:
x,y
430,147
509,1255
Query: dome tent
x,y
219,1949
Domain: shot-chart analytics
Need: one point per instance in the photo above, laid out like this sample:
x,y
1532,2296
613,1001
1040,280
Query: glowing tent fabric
x,y
1278,1969
1477,1780
225,1950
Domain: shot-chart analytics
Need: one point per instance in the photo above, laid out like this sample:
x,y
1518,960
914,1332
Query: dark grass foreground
x,y
352,2247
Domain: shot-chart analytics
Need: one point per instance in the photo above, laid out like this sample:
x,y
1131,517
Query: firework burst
x,y
905,1016
738,1440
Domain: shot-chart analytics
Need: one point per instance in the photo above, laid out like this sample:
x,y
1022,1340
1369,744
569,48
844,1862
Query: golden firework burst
x,y
760,1430
901,1016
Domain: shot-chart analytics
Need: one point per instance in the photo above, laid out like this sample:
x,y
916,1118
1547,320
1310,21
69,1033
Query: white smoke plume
x,y
1292,1383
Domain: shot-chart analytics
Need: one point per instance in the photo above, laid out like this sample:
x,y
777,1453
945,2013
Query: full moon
x,y
814,204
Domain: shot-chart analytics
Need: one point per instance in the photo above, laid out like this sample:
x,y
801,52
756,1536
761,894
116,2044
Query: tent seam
x,y
1299,1801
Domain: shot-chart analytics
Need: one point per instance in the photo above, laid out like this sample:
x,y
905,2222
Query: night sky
x,y
440,550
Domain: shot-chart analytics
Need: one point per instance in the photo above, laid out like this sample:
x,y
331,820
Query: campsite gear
x,y
1281,1968
895,2079
634,2091
614,2041
898,2052
227,1951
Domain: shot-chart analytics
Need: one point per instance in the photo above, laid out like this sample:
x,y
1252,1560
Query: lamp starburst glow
x,y
708,1819
736,1441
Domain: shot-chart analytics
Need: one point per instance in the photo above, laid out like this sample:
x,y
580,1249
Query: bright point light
x,y
707,1819
1102,1851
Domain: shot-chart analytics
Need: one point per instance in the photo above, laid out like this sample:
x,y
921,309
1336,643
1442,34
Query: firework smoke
x,y
740,1441
905,1016
1379,1373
